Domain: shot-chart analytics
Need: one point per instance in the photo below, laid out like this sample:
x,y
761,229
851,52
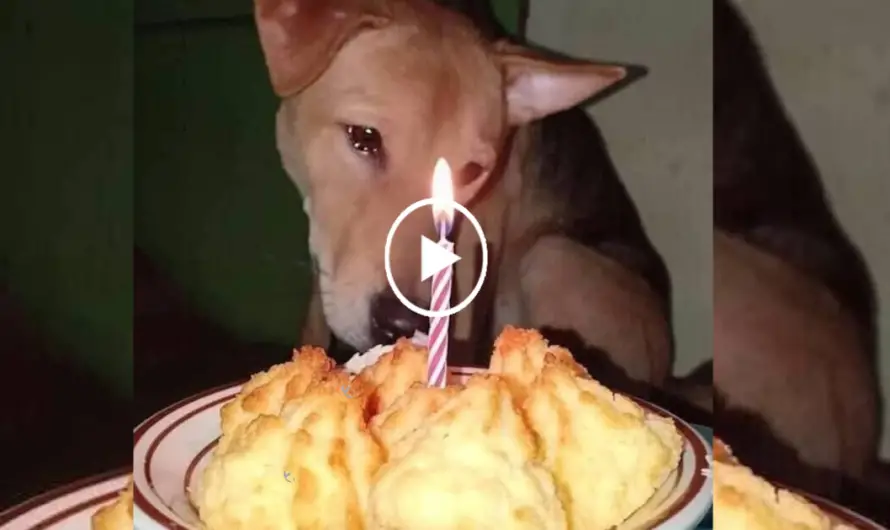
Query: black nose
x,y
391,319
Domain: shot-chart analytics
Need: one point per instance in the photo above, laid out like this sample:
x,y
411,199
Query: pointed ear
x,y
301,37
536,86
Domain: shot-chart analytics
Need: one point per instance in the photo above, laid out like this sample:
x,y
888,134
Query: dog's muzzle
x,y
391,320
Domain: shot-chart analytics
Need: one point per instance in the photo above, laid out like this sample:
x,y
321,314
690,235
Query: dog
x,y
373,92
794,332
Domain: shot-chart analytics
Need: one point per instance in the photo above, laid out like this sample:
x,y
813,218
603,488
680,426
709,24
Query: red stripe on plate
x,y
699,451
190,470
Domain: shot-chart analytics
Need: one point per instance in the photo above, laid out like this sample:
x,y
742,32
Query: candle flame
x,y
443,191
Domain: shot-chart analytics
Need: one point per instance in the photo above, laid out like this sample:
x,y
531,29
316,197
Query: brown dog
x,y
373,92
794,331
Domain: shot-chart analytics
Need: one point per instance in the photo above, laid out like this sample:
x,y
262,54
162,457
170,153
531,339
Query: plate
x,y
173,446
68,507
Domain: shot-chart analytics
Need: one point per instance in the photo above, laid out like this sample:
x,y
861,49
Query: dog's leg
x,y
571,288
787,351
315,329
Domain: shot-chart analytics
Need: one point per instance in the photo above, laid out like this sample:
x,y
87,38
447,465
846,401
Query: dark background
x,y
66,298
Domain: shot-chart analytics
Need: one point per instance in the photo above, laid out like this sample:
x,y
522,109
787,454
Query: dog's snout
x,y
391,319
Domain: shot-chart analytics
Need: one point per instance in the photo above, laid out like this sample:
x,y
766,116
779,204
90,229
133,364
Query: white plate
x,y
173,446
69,507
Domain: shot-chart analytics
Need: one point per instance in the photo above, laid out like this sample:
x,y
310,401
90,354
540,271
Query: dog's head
x,y
373,93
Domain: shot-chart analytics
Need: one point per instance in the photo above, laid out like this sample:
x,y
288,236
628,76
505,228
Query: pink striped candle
x,y
440,299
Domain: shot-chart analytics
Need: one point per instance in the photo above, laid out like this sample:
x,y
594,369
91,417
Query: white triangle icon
x,y
434,258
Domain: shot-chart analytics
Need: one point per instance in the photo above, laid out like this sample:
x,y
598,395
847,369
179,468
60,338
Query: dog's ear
x,y
537,86
301,37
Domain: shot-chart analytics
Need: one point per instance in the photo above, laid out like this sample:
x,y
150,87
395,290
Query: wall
x,y
658,131
213,208
833,73
66,205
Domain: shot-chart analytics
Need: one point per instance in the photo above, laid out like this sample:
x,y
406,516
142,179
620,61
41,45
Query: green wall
x,y
66,204
214,210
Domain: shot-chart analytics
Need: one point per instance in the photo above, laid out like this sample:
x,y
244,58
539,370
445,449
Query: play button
x,y
433,258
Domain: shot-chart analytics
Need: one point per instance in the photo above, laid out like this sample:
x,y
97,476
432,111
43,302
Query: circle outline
x,y
387,248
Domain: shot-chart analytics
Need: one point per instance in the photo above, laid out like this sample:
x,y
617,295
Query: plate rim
x,y
690,496
686,501
140,502
14,512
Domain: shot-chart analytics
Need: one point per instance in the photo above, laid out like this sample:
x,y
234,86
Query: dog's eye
x,y
365,140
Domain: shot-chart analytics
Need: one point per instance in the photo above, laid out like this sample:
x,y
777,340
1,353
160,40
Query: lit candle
x,y
440,299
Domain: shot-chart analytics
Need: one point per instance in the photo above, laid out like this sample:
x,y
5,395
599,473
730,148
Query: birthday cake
x,y
382,450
